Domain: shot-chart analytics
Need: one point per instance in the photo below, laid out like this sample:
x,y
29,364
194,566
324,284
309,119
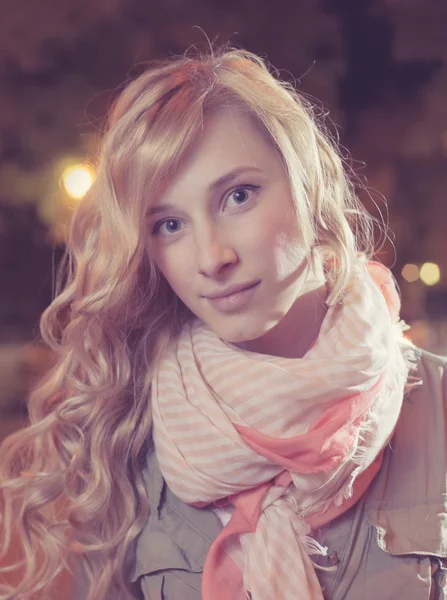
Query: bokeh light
x,y
77,180
410,273
430,273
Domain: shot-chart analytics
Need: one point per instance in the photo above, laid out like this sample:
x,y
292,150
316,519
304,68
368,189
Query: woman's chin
x,y
240,335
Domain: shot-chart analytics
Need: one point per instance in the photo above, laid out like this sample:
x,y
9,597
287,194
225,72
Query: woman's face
x,y
227,221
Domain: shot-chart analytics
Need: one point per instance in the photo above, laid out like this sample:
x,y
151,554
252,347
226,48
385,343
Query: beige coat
x,y
391,545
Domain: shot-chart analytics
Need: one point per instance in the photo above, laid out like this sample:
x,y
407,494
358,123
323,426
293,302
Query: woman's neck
x,y
298,330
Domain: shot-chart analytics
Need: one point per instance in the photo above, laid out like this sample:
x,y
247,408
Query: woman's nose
x,y
214,253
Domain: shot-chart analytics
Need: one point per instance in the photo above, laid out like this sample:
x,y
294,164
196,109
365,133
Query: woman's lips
x,y
234,301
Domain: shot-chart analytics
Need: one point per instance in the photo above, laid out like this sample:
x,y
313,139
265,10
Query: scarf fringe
x,y
312,548
409,365
410,356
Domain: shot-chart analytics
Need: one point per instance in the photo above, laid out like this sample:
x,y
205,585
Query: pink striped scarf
x,y
289,443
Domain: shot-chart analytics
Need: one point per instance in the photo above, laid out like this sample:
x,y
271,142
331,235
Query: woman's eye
x,y
167,227
242,194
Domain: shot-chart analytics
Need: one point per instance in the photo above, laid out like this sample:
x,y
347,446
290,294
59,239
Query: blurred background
x,y
377,66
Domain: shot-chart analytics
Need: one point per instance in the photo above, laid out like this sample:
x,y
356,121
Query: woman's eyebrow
x,y
222,181
160,208
229,177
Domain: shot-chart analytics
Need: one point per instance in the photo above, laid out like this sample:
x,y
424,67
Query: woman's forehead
x,y
229,142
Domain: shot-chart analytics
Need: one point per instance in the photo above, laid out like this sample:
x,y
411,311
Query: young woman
x,y
230,416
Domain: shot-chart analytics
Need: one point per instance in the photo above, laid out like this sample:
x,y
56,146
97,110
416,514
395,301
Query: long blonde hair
x,y
71,482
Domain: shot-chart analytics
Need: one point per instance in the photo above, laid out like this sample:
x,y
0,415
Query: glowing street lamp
x,y
430,273
77,180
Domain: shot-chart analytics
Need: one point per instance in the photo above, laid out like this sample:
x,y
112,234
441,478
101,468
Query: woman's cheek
x,y
179,274
288,255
